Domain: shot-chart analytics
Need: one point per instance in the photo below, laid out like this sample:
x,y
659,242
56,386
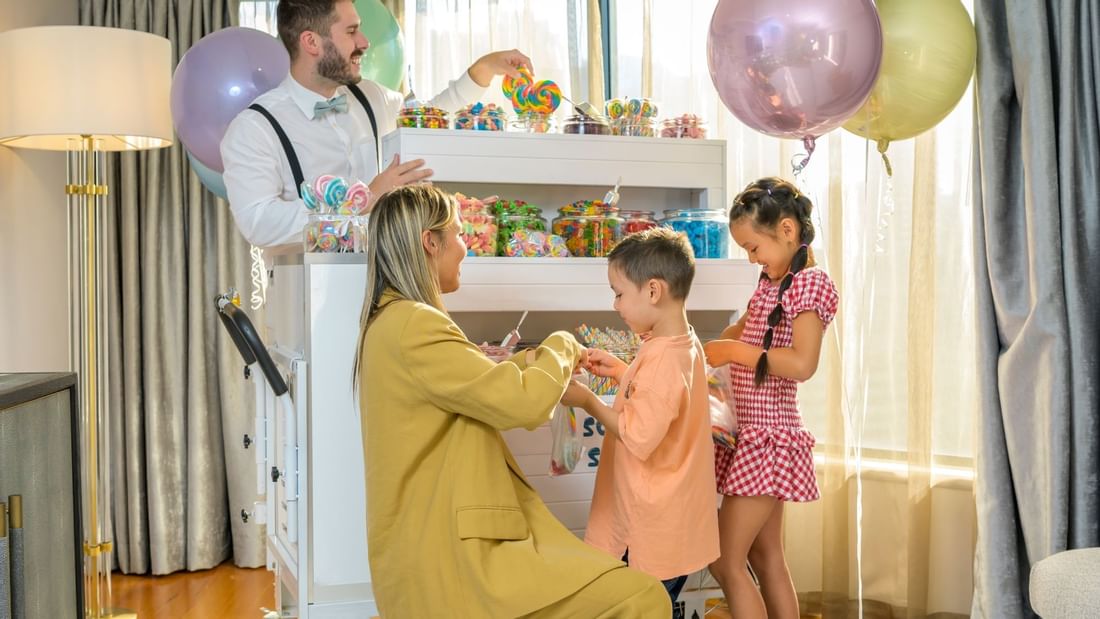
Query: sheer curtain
x,y
177,402
443,37
893,402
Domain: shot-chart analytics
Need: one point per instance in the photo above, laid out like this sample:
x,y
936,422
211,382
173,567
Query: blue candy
x,y
709,239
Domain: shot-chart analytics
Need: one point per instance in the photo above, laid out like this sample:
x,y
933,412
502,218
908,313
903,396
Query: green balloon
x,y
928,54
384,60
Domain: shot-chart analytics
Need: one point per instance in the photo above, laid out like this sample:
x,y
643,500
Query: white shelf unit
x,y
315,301
561,160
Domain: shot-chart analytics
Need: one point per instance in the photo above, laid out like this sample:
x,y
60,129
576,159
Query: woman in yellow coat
x,y
454,528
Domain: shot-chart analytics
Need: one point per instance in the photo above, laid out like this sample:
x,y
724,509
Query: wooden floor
x,y
225,591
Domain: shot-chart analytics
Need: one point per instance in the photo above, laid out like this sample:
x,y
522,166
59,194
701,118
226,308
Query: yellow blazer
x,y
454,528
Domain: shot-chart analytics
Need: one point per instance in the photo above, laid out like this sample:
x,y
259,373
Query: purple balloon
x,y
794,68
217,78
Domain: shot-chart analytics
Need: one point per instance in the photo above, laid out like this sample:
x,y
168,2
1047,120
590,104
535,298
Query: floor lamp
x,y
86,90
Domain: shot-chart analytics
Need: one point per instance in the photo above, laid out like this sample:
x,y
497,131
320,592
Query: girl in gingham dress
x,y
774,346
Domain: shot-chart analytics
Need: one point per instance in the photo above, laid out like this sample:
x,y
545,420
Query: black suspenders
x,y
288,148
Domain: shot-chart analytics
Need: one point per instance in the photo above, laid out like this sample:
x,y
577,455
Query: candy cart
x,y
316,508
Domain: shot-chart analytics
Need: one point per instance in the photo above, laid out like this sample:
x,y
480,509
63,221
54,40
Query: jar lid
x,y
412,112
695,213
589,208
584,119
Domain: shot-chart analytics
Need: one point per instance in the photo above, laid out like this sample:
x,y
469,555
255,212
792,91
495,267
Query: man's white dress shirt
x,y
257,176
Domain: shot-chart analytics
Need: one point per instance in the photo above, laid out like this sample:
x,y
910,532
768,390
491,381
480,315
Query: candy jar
x,y
687,126
423,117
481,117
634,116
636,221
479,227
638,127
707,229
512,222
329,234
533,122
586,125
591,229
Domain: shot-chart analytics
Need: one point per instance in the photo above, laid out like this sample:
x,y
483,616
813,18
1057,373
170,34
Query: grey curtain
x,y
178,405
1037,226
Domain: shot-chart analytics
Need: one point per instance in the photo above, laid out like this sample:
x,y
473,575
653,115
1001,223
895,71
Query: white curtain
x,y
443,37
893,402
894,399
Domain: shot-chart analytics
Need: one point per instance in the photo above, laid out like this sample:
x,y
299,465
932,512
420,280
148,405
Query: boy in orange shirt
x,y
654,502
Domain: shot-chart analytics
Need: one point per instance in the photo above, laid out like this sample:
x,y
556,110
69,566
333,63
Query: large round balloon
x,y
929,51
794,68
210,179
384,60
216,79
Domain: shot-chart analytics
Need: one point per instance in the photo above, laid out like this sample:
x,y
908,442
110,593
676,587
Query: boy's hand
x,y
717,352
576,395
582,360
603,363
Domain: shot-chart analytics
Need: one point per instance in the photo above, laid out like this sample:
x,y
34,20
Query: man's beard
x,y
335,67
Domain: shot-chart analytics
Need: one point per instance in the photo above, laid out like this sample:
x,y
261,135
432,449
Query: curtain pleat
x,y
178,404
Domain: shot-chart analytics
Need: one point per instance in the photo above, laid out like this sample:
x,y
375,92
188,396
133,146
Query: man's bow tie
x,y
335,104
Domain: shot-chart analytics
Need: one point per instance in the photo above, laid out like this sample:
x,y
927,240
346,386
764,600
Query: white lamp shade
x,y
58,83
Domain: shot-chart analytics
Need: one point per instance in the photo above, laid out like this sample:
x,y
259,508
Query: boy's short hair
x,y
657,253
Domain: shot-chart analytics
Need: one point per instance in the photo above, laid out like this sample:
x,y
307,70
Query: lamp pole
x,y
85,190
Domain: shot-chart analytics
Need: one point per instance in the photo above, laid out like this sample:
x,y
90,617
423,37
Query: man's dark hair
x,y
296,16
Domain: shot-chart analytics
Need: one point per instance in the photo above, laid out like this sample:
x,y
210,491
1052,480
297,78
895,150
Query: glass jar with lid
x,y
706,229
687,126
330,233
533,122
479,227
481,117
637,127
581,124
591,228
515,216
636,221
423,117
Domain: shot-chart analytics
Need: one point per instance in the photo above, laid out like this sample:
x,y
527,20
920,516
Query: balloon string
x,y
883,144
809,144
259,278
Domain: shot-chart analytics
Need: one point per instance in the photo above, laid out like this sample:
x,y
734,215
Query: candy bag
x,y
723,412
566,447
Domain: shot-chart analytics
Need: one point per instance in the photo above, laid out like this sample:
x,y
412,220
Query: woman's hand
x,y
603,363
718,352
576,395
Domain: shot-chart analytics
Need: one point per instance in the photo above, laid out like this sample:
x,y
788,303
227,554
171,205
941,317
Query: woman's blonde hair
x,y
396,259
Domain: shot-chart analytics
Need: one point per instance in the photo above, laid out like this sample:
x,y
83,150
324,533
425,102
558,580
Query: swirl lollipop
x,y
308,196
319,185
545,97
357,198
615,109
511,85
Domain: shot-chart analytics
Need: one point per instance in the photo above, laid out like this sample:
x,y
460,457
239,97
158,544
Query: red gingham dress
x,y
773,455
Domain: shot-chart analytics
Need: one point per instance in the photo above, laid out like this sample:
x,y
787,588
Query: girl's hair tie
x,y
769,190
805,246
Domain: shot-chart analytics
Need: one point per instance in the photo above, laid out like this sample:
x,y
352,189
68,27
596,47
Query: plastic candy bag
x,y
566,449
723,413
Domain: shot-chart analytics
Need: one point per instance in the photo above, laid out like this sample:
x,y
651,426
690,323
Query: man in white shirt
x,y
327,126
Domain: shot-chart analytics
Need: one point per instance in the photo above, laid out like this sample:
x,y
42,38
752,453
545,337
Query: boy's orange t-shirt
x,y
655,492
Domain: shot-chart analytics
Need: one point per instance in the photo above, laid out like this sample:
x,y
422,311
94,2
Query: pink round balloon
x,y
794,68
216,79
